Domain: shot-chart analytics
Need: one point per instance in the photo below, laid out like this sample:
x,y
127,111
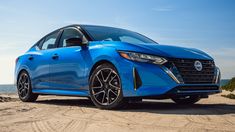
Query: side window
x,y
69,33
49,41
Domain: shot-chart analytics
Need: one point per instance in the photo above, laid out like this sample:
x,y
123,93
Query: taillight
x,y
17,59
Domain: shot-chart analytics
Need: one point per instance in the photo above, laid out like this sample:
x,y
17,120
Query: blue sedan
x,y
112,67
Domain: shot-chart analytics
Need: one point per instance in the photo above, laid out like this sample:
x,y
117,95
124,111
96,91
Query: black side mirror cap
x,y
74,42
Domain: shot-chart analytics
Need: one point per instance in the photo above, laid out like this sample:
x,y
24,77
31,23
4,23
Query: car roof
x,y
87,25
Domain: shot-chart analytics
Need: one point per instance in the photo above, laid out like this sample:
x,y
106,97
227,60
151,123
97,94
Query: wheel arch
x,y
99,63
18,75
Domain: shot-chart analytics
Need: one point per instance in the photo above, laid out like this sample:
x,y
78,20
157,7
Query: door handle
x,y
30,57
55,56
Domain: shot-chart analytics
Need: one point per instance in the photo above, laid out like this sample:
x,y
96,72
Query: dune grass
x,y
230,96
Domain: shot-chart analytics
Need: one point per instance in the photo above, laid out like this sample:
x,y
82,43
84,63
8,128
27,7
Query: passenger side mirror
x,y
74,42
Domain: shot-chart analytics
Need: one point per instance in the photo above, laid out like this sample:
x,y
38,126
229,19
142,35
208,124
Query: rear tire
x,y
105,87
187,100
24,88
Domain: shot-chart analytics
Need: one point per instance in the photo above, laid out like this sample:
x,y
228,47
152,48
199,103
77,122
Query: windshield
x,y
100,33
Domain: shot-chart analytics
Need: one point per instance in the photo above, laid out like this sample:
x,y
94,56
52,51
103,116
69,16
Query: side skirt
x,y
61,92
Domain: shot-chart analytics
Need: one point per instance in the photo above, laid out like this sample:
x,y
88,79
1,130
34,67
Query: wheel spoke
x,y
108,75
20,86
20,83
21,80
25,92
98,87
112,78
99,92
22,93
103,98
20,90
26,85
113,92
113,86
102,76
108,96
99,81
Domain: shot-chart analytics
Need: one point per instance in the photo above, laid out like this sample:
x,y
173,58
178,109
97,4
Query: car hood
x,y
178,52
163,50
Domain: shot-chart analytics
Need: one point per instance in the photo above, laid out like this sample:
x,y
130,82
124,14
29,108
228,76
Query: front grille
x,y
188,72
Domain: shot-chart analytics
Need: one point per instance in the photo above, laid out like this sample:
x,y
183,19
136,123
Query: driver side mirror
x,y
74,42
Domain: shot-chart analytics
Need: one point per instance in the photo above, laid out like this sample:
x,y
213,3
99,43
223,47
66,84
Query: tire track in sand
x,y
42,126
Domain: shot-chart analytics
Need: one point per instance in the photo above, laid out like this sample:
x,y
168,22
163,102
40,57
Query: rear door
x,y
40,60
68,67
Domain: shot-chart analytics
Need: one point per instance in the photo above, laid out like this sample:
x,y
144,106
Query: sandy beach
x,y
57,113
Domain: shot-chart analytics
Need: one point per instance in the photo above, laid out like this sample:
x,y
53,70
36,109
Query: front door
x,y
68,67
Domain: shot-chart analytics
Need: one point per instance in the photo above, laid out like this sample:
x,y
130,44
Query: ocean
x,y
12,89
7,88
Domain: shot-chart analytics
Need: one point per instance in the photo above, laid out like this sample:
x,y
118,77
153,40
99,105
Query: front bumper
x,y
155,81
194,90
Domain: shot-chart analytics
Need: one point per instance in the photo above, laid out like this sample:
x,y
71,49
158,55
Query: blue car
x,y
112,67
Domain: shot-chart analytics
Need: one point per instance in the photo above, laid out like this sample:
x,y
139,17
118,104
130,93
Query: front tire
x,y
105,87
187,100
24,88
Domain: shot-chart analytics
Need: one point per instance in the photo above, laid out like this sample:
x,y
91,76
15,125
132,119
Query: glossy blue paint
x,y
69,73
62,92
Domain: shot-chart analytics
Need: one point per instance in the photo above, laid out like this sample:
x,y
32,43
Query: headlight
x,y
142,57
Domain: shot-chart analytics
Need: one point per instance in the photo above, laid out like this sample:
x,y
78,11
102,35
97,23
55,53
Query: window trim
x,y
44,38
71,27
60,46
60,31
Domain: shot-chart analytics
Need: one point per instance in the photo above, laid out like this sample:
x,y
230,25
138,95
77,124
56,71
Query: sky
x,y
208,25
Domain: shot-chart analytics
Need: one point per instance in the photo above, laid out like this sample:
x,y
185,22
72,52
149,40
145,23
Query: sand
x,y
57,113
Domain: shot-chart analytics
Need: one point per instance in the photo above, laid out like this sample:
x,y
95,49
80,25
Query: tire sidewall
x,y
26,98
120,98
